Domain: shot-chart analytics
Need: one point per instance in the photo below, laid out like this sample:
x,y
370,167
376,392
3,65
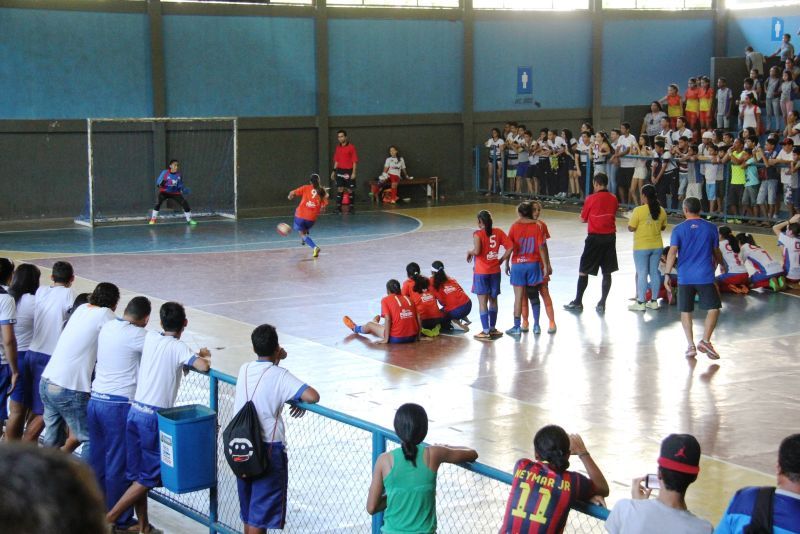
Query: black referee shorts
x,y
599,252
708,297
344,178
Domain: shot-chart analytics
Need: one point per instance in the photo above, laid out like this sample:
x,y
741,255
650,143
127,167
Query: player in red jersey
x,y
543,491
313,201
529,265
456,304
401,324
486,243
431,318
412,271
544,289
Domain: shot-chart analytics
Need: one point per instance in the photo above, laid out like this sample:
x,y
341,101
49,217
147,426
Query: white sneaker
x,y
637,306
652,305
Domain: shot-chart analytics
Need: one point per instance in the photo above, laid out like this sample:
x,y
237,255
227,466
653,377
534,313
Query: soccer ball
x,y
284,229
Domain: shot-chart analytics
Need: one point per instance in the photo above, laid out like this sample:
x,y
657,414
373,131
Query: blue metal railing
x,y
196,504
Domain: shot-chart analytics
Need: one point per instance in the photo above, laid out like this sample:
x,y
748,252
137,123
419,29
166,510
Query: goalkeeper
x,y
170,187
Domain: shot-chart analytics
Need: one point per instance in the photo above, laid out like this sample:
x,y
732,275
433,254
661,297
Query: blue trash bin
x,y
188,447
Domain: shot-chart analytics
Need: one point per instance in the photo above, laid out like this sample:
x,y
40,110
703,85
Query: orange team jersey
x,y
488,261
674,107
693,99
310,205
706,96
526,240
427,308
403,315
408,287
450,295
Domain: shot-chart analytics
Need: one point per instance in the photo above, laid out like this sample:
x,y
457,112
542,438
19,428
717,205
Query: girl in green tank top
x,y
404,481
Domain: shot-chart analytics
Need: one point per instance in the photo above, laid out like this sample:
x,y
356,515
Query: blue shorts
x,y
21,394
526,274
143,448
5,383
262,502
522,169
35,362
711,190
392,339
486,284
302,225
459,313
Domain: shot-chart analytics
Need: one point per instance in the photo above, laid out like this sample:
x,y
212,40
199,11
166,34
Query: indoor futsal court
x,y
619,379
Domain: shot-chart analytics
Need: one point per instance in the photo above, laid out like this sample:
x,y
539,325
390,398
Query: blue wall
x,y
558,49
637,69
395,66
63,64
226,66
755,29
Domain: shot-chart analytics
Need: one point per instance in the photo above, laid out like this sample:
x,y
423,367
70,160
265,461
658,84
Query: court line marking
x,y
264,299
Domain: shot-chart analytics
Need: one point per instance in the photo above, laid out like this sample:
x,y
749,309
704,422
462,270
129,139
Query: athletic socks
x,y
606,286
357,329
492,317
537,310
517,321
485,322
583,283
188,215
310,242
154,215
548,303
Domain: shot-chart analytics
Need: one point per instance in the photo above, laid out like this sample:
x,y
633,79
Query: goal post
x,y
124,157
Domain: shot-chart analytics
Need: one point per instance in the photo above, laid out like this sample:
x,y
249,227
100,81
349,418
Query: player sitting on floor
x,y
456,304
431,319
767,272
401,324
790,245
313,201
673,278
412,271
735,279
170,187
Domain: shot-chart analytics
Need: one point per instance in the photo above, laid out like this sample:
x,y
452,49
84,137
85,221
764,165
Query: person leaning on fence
x,y
404,480
781,504
678,466
163,357
262,500
543,491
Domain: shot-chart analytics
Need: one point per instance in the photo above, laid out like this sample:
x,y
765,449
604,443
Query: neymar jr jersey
x,y
403,315
450,294
310,204
487,262
526,239
540,498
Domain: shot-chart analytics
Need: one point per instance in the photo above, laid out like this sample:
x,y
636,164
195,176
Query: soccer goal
x,y
125,156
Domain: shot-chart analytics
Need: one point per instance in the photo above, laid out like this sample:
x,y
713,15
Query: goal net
x,y
126,155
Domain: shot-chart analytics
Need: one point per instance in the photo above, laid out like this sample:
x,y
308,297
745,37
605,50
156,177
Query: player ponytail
x,y
794,228
649,192
525,210
439,276
411,426
726,233
551,445
393,287
412,270
485,217
746,239
420,283
314,180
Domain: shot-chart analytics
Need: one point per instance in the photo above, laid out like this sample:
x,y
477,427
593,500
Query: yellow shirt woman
x,y
647,232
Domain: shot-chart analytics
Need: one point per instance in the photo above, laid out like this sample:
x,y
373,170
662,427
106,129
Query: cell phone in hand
x,y
652,482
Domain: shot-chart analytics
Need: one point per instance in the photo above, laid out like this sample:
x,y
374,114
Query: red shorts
x,y
394,178
705,116
691,117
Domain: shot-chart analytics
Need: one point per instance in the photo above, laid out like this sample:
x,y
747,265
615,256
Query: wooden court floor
x,y
619,379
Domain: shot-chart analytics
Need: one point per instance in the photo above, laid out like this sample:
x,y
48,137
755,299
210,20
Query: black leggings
x,y
177,198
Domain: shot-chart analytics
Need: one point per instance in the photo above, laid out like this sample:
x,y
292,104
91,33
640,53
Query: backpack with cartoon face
x,y
243,446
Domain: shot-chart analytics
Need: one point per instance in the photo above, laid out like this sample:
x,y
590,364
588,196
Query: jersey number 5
x,y
541,505
493,242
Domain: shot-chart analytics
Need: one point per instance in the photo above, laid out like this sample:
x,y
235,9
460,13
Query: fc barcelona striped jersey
x,y
540,498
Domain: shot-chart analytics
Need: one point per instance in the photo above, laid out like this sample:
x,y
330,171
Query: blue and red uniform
x,y
486,267
540,498
170,183
526,262
455,303
309,207
428,310
402,313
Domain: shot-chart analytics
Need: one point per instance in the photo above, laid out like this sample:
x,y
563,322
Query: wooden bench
x,y
433,181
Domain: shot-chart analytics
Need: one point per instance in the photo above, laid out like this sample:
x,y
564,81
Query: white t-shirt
x,y
512,154
119,349
163,358
787,177
556,144
791,255
73,359
495,147
52,305
667,135
654,517
8,315
749,117
277,387
26,308
677,134
625,142
733,263
583,150
760,260
394,165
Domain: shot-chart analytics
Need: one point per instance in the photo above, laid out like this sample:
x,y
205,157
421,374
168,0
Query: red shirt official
x,y
345,156
600,211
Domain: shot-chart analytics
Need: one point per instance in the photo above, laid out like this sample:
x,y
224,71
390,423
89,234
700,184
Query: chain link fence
x,y
330,468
